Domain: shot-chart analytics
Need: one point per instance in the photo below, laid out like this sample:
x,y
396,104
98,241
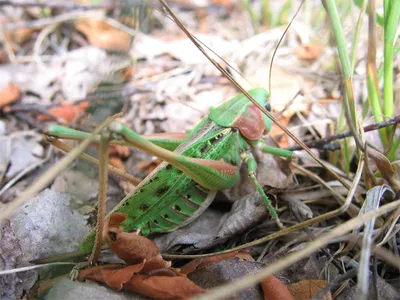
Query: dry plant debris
x,y
9,94
149,274
75,65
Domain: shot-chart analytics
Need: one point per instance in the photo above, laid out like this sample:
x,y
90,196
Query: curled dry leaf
x,y
309,51
102,35
118,150
169,285
306,289
201,262
276,132
22,35
164,287
385,167
130,247
117,162
3,57
115,276
274,289
9,94
68,113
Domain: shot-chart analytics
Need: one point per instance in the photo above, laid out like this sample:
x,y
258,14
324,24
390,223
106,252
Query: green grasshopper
x,y
194,168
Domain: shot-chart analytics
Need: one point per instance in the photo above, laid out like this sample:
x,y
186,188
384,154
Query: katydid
x,y
206,161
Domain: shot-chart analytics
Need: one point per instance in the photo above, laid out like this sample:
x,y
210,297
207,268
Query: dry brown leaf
x,y
113,222
126,74
150,276
66,112
164,287
9,94
22,35
118,150
102,35
201,262
385,167
160,284
226,3
131,247
117,278
3,57
306,289
309,51
94,273
117,162
276,132
114,275
274,289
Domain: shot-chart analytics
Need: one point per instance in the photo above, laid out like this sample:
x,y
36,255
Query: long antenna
x,y
277,46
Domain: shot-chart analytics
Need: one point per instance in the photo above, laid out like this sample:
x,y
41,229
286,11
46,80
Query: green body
x,y
179,190
168,198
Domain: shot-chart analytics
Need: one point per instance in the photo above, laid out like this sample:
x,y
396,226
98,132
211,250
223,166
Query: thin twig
x,y
322,142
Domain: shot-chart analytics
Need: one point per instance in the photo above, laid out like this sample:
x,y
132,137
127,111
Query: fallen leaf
x,y
309,51
170,285
274,289
164,287
68,113
203,261
9,94
114,221
201,232
276,132
226,3
22,35
118,150
126,74
306,289
131,247
117,162
3,57
385,167
115,276
102,35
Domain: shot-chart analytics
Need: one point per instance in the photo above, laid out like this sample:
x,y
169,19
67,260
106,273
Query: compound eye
x,y
268,107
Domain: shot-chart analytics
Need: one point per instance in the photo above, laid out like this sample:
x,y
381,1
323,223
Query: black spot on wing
x,y
161,190
144,206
